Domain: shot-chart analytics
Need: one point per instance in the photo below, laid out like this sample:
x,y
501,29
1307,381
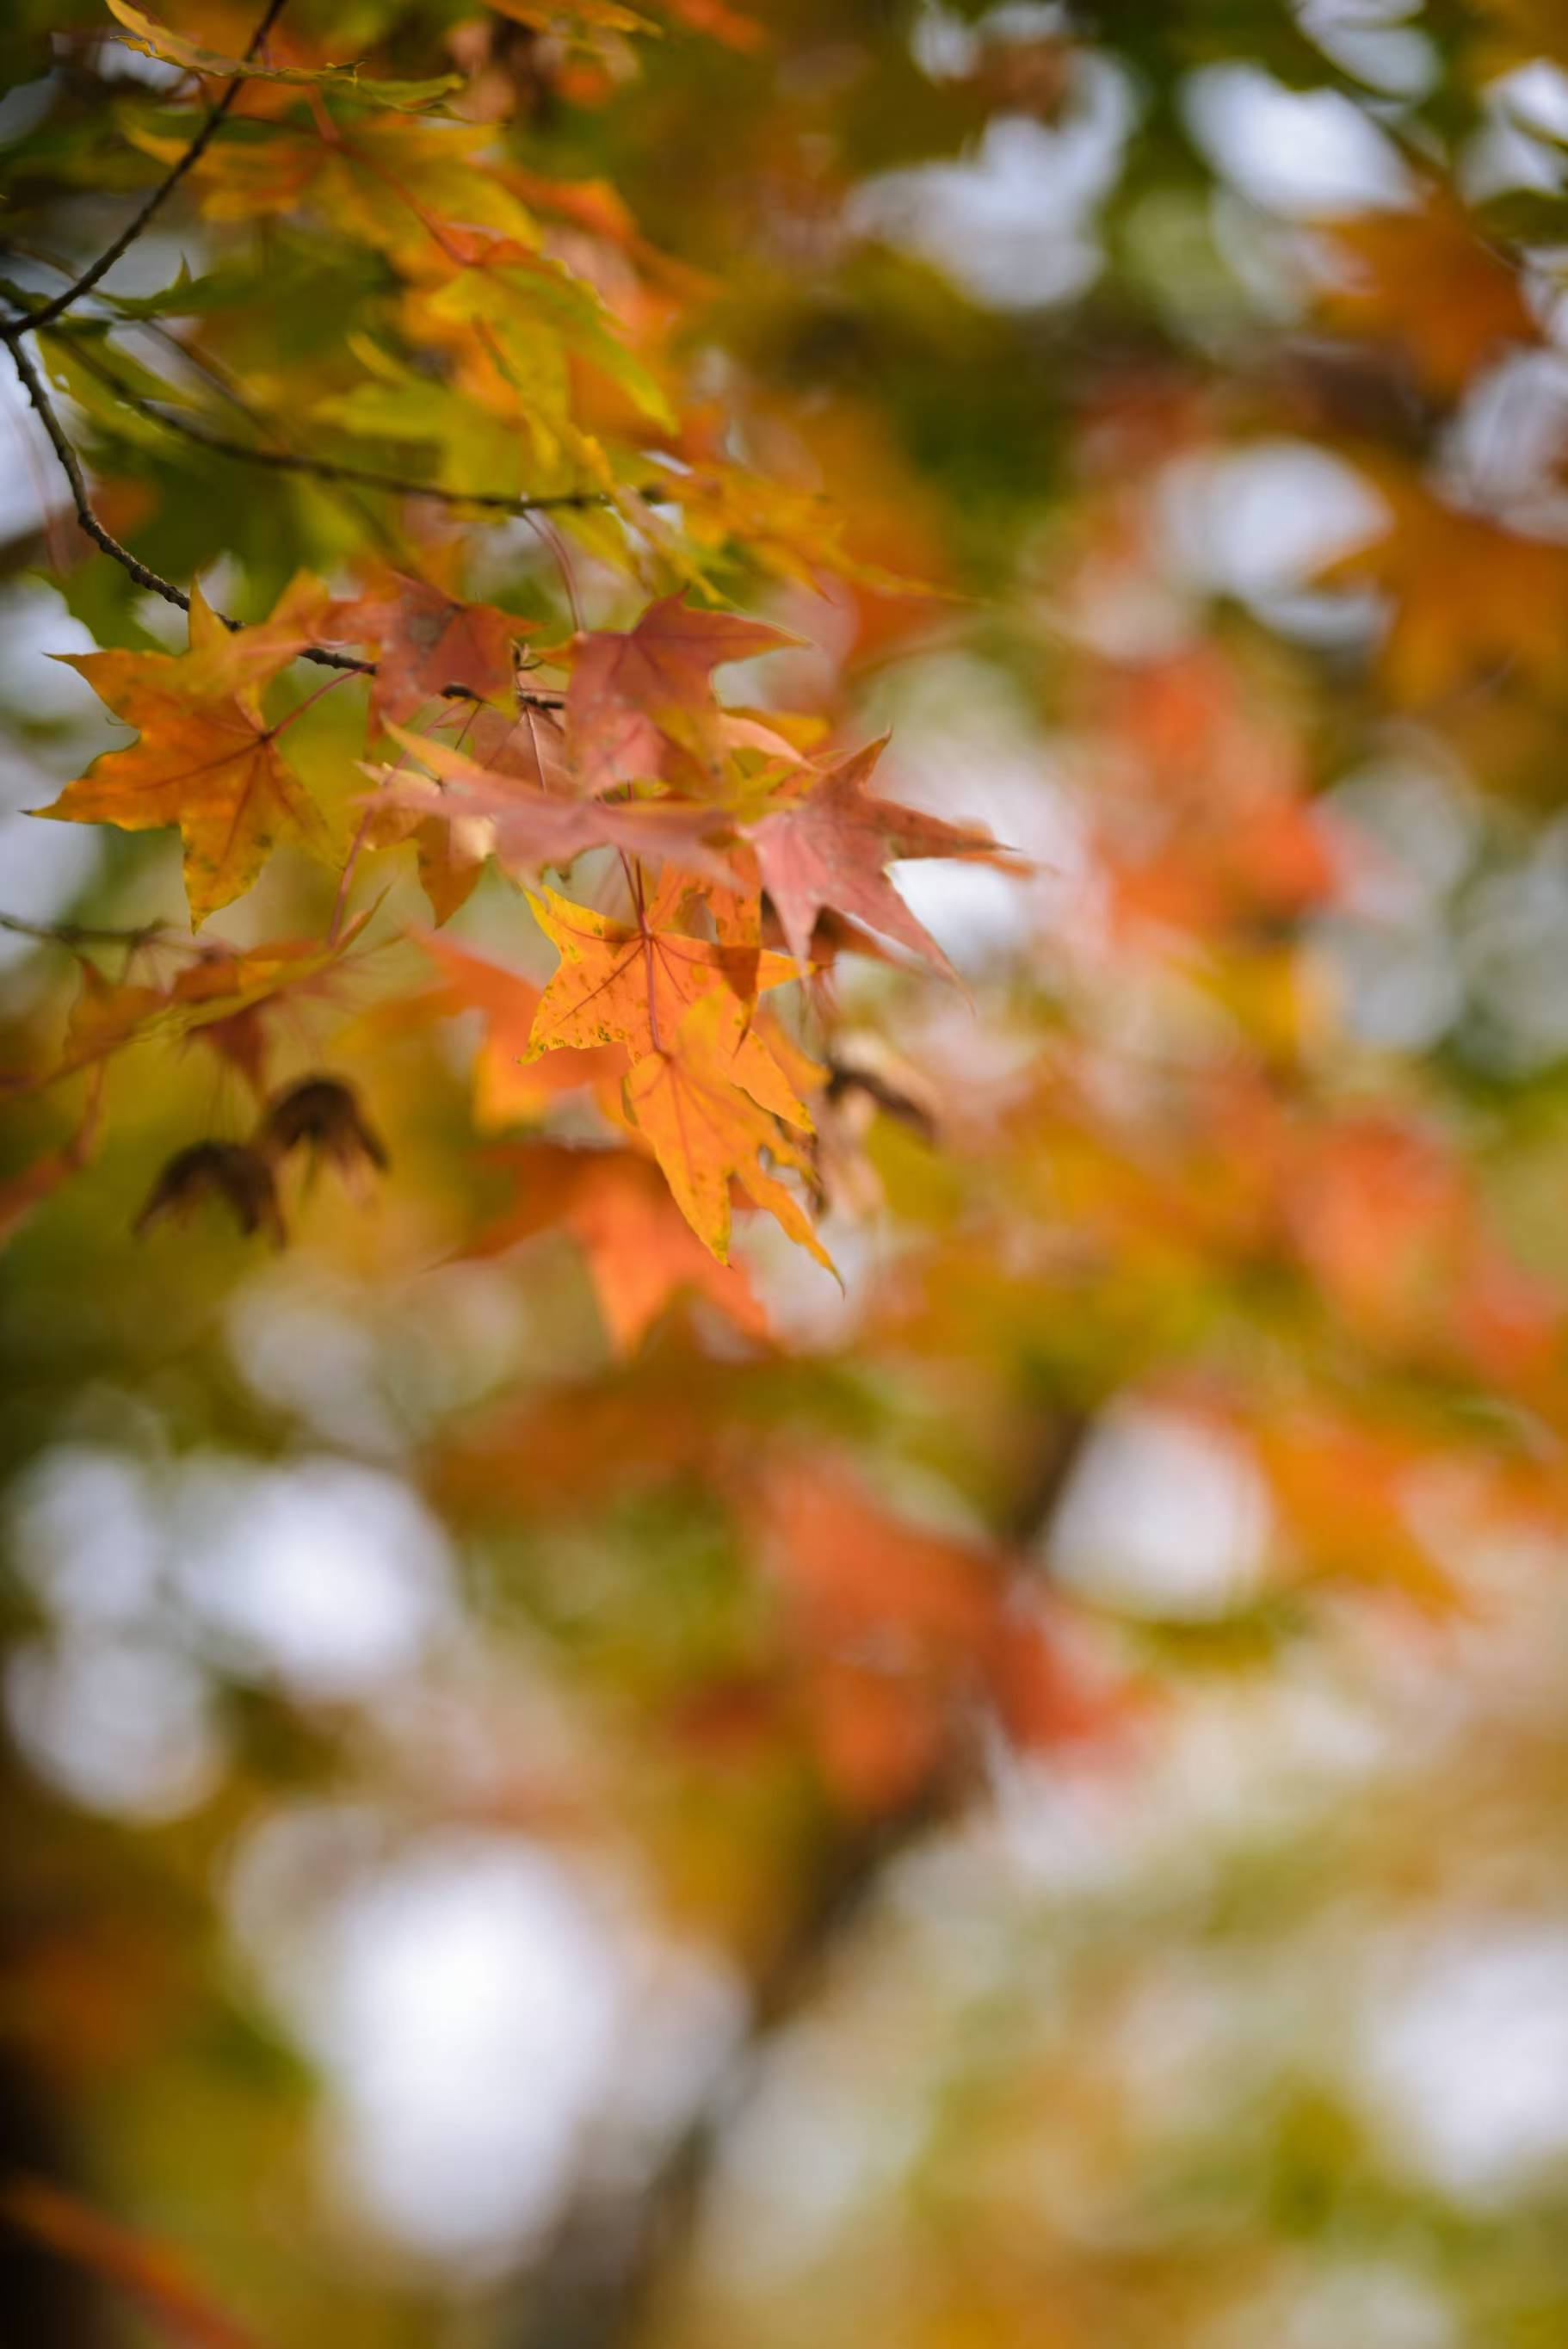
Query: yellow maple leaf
x,y
207,759
706,1130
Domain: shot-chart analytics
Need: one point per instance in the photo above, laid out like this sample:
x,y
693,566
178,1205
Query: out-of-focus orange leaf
x,y
1396,261
32,1186
509,1088
212,996
640,1251
1473,600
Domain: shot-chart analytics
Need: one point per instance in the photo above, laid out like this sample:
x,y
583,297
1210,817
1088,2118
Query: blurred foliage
x,y
559,1790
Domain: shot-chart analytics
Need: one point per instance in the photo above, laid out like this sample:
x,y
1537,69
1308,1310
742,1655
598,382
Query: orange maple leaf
x,y
531,828
424,641
220,986
509,1089
638,694
207,761
1471,598
453,849
706,1128
1392,261
629,983
830,849
640,1251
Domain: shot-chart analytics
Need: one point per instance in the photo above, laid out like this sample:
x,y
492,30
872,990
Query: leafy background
x,y
1024,1805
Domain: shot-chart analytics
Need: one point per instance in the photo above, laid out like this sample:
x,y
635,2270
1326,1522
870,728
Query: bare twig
x,y
83,934
332,468
153,581
12,328
70,464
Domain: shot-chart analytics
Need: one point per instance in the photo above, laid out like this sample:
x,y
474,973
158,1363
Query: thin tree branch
x,y
12,328
70,464
85,934
155,584
332,468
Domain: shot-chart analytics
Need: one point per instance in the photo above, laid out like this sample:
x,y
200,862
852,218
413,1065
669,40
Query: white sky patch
x,y
809,2146
329,1576
47,863
1521,142
1377,41
961,751
31,483
1513,952
1013,222
1259,522
84,1534
307,1353
488,2020
1166,1514
1464,2055
1407,833
120,1724
1309,154
467,2006
1504,450
37,625
46,867
1339,2300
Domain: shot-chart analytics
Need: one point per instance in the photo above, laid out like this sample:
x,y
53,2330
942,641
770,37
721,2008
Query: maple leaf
x,y
389,180
628,983
453,845
155,40
216,997
206,761
641,1252
698,1115
424,641
529,829
509,1088
830,848
1394,259
892,1623
636,694
1470,596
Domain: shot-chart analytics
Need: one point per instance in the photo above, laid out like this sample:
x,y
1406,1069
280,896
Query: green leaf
x,y
155,40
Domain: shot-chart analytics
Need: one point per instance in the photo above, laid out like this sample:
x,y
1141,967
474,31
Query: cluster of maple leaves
x,y
696,865
723,831
745,849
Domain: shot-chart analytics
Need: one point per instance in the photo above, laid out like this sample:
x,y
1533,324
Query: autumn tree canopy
x,y
783,1037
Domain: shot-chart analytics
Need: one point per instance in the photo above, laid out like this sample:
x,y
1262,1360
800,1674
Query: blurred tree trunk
x,y
614,2255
